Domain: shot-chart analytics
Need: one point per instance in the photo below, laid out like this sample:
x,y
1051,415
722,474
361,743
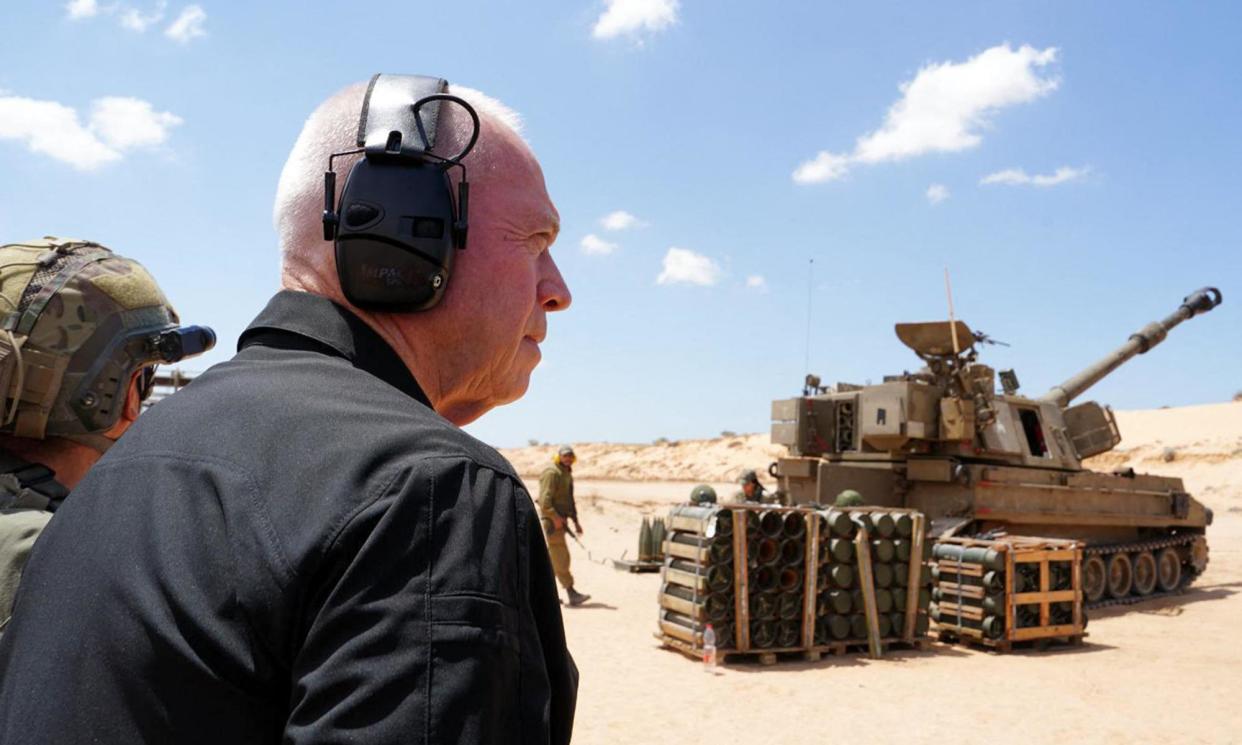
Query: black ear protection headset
x,y
398,226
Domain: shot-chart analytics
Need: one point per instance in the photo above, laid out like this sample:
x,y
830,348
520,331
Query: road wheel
x,y
1144,573
1094,578
1120,575
1168,569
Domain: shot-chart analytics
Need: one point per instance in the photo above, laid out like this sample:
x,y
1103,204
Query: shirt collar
x,y
330,329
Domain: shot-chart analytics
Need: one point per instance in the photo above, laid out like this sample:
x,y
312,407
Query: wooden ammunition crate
x,y
963,599
689,641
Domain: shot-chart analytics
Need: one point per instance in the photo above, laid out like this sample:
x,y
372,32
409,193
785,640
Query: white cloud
x,y
51,128
937,193
757,282
620,220
130,122
593,245
685,266
631,17
1019,177
135,20
825,166
944,108
79,9
188,26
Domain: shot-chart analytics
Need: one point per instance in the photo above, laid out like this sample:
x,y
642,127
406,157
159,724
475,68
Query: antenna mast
x,y
948,291
810,292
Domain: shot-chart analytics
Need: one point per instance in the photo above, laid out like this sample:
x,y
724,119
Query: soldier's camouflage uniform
x,y
556,498
65,305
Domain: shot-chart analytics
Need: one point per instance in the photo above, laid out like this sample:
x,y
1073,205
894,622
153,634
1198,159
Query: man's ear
x,y
133,401
129,412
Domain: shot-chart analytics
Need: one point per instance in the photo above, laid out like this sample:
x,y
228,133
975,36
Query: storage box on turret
x,y
1007,591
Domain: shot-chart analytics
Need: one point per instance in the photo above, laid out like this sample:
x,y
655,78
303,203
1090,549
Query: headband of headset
x,y
398,226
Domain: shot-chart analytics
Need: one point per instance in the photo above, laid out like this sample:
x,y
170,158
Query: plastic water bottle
x,y
709,649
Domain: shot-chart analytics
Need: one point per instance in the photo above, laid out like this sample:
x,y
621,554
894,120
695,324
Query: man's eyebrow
x,y
539,222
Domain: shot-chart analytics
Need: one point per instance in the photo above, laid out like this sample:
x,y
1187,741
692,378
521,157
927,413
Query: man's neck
x,y
458,409
70,460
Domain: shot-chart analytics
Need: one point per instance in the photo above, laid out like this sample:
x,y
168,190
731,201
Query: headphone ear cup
x,y
386,277
395,242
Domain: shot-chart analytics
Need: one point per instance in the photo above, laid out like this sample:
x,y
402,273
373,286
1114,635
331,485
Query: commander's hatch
x,y
935,338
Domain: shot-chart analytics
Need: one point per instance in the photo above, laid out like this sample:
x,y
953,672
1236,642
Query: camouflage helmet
x,y
703,494
848,498
78,321
748,477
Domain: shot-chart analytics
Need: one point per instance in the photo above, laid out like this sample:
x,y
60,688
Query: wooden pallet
x,y
793,654
634,566
949,635
849,646
768,656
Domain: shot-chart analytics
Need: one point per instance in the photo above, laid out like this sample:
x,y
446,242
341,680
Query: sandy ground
x,y
1165,671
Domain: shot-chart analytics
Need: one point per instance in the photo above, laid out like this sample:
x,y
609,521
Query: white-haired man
x,y
303,547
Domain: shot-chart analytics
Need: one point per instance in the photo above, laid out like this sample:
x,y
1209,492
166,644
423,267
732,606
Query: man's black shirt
x,y
295,549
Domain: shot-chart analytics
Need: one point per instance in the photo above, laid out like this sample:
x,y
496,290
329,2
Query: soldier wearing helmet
x,y
556,508
703,494
848,498
752,490
81,330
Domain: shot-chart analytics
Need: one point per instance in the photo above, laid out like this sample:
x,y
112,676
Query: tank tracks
x,y
1188,572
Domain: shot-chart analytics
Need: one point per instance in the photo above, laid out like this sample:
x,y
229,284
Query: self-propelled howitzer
x,y
944,441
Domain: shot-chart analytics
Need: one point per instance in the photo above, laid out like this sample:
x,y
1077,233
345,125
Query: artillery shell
x,y
905,524
839,523
842,575
883,575
842,550
884,524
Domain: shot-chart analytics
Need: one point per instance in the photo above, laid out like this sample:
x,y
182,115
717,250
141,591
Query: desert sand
x,y
1165,671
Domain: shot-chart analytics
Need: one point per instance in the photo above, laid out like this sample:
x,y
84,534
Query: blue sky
x,y
1110,132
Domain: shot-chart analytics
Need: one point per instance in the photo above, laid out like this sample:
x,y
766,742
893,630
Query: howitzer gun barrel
x,y
1199,301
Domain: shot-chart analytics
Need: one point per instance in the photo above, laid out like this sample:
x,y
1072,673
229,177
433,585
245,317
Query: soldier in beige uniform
x,y
80,332
556,507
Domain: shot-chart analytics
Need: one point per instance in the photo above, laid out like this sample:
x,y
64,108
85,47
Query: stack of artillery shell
x,y
838,603
964,606
651,538
776,553
996,588
840,611
697,579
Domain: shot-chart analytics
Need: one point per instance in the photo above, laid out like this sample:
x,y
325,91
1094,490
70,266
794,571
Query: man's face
x,y
494,313
568,460
748,488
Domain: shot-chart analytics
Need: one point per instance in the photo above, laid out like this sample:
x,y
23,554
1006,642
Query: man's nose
x,y
553,292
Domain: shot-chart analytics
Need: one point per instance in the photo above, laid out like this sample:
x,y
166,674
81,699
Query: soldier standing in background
x,y
82,329
556,507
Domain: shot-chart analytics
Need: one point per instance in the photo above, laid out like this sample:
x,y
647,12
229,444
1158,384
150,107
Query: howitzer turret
x,y
945,441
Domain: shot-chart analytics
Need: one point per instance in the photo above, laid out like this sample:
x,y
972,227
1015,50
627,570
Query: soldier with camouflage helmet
x,y
81,330
752,490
